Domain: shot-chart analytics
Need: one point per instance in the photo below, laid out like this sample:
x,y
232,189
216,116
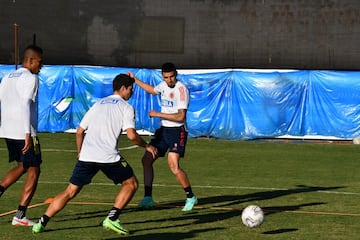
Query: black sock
x,y
188,191
21,212
44,220
114,213
2,190
148,191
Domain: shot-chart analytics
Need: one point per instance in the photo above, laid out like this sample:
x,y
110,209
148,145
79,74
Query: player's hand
x,y
153,113
27,144
153,150
130,74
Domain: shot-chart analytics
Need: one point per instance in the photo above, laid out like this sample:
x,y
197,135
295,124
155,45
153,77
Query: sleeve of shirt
x,y
84,123
158,88
184,96
2,86
1,91
25,111
129,117
27,89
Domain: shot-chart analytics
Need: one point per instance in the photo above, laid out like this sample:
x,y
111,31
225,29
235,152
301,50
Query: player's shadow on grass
x,y
232,200
210,214
174,228
175,225
196,217
279,231
75,227
62,217
171,235
271,210
80,215
216,215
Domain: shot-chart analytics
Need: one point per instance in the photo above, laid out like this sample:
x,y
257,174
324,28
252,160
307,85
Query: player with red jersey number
x,y
171,137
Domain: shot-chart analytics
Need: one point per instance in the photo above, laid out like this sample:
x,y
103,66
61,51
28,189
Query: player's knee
x,y
33,172
71,191
175,169
132,183
67,195
20,168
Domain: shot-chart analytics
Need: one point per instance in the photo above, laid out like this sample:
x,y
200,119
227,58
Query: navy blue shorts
x,y
85,171
172,139
32,158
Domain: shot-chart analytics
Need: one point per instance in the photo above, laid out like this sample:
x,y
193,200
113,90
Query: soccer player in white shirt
x,y
98,151
18,96
171,137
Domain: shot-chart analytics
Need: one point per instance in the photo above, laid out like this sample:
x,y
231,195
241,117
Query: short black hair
x,y
122,80
34,48
168,67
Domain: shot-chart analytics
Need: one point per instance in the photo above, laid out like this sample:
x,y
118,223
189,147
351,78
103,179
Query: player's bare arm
x,y
147,87
175,117
27,144
138,140
79,138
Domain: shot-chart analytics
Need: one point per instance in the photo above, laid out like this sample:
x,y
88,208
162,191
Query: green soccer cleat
x,y
38,228
115,226
189,204
146,202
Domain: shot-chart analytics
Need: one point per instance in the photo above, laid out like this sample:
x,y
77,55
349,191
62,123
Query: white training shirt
x,y
172,99
104,123
18,93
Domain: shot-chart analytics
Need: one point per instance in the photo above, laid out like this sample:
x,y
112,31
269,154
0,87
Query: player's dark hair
x,y
34,48
122,80
168,67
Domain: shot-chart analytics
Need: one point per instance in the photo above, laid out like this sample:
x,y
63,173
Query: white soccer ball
x,y
252,216
356,140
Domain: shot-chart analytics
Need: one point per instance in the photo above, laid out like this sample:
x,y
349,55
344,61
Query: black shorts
x,y
85,171
170,138
32,158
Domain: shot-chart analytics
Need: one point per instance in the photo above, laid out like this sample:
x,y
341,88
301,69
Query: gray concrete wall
x,y
297,34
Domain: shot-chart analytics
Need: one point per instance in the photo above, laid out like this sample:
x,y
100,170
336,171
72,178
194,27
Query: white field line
x,y
217,187
195,186
67,150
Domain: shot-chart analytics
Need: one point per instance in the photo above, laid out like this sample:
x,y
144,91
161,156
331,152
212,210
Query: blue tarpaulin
x,y
228,104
